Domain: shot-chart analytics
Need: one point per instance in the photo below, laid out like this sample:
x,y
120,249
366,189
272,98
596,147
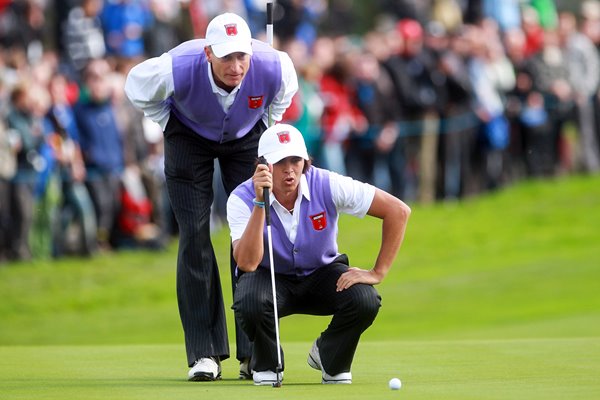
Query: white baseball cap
x,y
229,33
281,141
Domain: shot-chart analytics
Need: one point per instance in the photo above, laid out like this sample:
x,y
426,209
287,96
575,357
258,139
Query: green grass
x,y
461,370
490,298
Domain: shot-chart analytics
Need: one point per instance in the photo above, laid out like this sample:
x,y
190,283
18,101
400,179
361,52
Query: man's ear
x,y
208,52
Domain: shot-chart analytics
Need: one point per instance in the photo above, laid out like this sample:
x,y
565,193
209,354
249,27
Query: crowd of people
x,y
438,100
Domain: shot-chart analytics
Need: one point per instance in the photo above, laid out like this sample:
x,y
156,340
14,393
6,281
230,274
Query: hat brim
x,y
276,156
224,49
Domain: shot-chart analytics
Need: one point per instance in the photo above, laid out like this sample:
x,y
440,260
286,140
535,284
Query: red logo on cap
x,y
255,101
284,137
231,29
319,221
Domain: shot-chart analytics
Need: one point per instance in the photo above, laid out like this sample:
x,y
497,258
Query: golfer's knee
x,y
251,305
365,302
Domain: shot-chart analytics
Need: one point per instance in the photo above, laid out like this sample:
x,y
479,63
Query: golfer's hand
x,y
357,275
262,178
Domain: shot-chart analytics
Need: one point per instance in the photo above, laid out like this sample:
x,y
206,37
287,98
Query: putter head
x,y
278,372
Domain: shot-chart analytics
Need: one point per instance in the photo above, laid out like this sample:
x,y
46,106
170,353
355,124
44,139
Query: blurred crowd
x,y
436,100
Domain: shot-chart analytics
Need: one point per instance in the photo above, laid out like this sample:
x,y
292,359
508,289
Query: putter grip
x,y
270,13
262,160
267,205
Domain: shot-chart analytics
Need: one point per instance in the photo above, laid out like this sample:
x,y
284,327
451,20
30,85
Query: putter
x,y
279,368
269,31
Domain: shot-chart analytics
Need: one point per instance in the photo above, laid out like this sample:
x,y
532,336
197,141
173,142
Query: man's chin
x,y
234,82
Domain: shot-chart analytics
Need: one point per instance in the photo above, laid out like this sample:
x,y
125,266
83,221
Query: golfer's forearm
x,y
393,229
248,250
248,255
387,253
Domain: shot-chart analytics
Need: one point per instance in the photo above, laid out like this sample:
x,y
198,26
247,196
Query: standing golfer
x,y
211,97
311,276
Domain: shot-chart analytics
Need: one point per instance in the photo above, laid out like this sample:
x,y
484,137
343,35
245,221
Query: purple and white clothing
x,y
203,123
307,238
181,81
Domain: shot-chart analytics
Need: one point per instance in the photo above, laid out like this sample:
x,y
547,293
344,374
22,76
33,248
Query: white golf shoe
x,y
205,369
263,378
314,360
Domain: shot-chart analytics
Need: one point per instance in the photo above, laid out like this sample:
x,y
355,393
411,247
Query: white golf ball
x,y
395,384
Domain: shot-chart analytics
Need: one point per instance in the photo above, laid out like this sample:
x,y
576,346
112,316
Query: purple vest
x,y
316,244
196,106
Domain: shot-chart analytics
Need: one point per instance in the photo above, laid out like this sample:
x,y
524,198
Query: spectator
x,y
546,10
473,11
47,187
584,77
256,14
390,147
457,139
549,73
590,12
8,165
441,164
299,20
590,24
83,37
124,23
29,139
137,151
375,99
534,32
417,10
341,116
75,228
165,31
492,76
506,13
22,26
307,106
447,13
411,72
102,147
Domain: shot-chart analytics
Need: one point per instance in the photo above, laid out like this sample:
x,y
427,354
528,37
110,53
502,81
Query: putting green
x,y
490,298
479,369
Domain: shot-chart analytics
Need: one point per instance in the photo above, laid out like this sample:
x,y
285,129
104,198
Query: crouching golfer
x,y
311,276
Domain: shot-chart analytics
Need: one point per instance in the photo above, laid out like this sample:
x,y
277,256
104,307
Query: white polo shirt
x,y
349,196
150,83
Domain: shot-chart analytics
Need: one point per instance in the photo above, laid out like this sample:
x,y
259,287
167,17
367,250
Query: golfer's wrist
x,y
258,203
379,275
259,195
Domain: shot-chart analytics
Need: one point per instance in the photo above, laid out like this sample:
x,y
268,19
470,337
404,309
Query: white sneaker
x,y
205,369
265,377
245,369
314,360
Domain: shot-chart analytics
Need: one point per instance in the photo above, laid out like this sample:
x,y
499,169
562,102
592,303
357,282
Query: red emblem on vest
x,y
231,29
284,137
255,101
319,221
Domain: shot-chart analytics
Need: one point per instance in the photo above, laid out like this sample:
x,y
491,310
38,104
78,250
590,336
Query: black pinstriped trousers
x,y
189,167
353,310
